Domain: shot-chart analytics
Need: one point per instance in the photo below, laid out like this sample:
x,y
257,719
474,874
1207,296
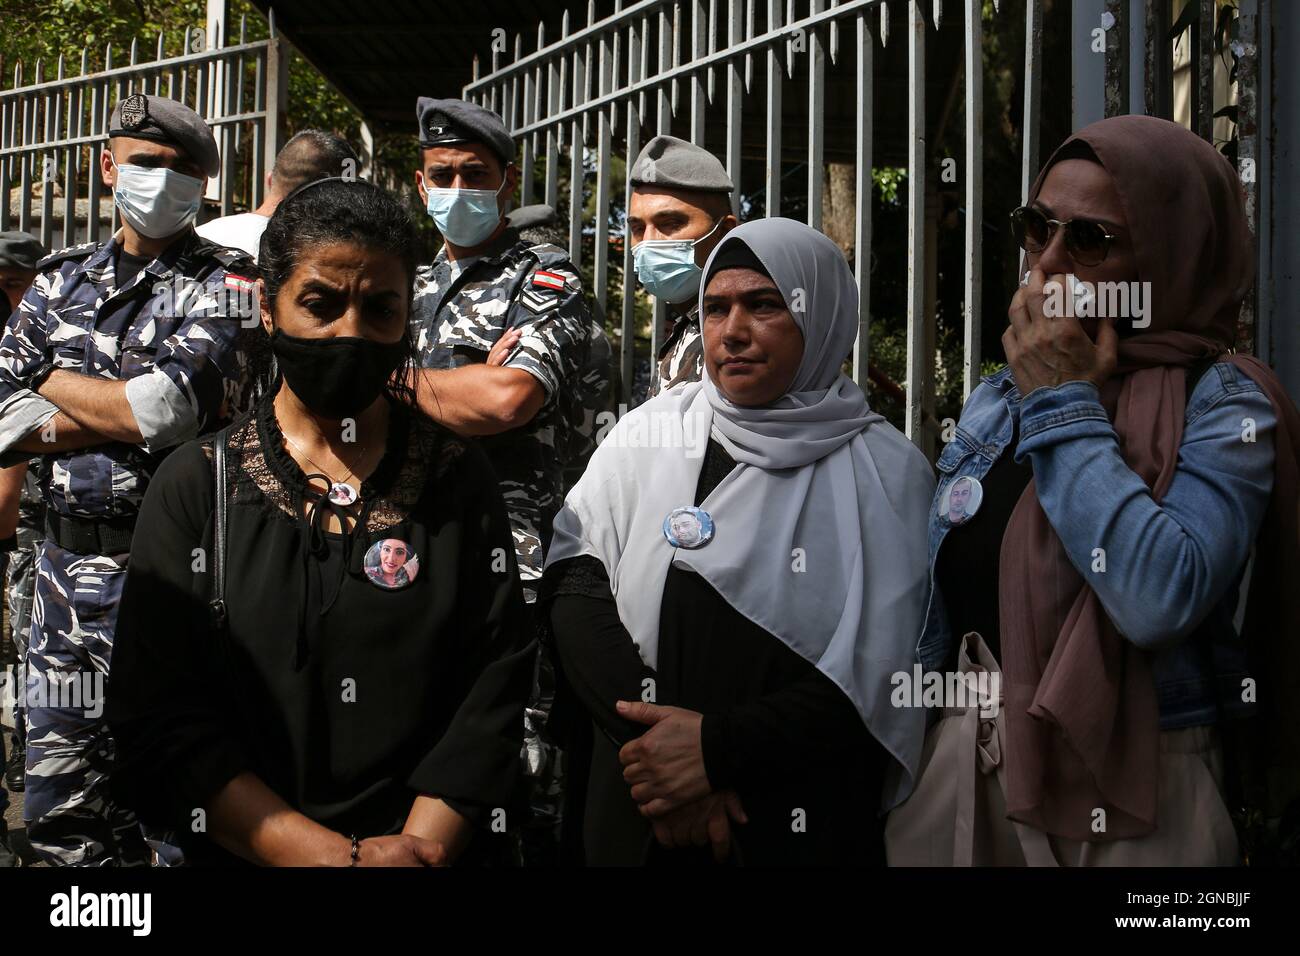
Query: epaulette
x,y
550,250
230,258
67,255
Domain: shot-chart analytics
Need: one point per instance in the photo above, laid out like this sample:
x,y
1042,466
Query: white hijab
x,y
820,530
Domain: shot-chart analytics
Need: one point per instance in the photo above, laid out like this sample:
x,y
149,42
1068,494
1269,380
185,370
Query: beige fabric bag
x,y
956,816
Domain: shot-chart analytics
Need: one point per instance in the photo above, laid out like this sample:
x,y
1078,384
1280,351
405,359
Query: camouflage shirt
x,y
171,332
455,321
681,357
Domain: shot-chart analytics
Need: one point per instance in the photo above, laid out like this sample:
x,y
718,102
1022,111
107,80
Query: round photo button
x,y
960,500
341,493
391,563
688,528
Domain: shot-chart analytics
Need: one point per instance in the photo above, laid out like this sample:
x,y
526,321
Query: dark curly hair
x,y
337,210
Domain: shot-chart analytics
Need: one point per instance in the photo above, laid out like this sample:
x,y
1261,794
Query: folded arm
x,y
1167,563
478,399
98,405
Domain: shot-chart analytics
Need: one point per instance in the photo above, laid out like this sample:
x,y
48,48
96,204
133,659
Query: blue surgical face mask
x,y
667,269
157,202
465,217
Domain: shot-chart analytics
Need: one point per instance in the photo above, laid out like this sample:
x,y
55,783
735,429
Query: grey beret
x,y
156,118
530,217
20,251
447,122
673,163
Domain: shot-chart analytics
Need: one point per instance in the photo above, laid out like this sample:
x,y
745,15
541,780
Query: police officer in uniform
x,y
19,254
486,282
539,223
678,211
119,351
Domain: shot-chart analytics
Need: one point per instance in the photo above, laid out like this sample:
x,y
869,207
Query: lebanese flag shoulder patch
x,y
548,280
239,283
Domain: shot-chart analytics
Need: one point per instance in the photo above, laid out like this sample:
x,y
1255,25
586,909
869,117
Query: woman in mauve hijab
x,y
736,578
1130,465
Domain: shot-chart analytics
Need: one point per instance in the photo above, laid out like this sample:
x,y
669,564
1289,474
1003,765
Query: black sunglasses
x,y
1086,241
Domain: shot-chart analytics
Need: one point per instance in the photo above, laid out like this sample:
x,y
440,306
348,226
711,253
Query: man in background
x,y
118,352
539,223
309,155
488,285
680,208
21,517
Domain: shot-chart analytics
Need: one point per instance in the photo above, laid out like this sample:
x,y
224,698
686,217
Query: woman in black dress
x,y
334,717
737,578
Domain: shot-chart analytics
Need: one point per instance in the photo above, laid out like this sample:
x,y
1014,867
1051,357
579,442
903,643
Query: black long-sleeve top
x,y
966,570
775,728
347,699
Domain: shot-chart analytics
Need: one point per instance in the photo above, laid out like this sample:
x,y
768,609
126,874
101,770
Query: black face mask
x,y
336,377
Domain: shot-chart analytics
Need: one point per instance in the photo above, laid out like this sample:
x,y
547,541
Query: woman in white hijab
x,y
737,576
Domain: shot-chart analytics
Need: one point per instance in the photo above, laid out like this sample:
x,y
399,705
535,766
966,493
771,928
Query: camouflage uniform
x,y
681,357
20,586
166,331
456,320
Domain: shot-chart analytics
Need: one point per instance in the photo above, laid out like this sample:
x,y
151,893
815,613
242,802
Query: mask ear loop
x,y
505,178
710,232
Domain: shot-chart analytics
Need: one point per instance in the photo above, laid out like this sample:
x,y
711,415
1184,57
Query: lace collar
x,y
291,475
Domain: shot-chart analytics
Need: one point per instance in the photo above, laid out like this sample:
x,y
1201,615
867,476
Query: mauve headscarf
x,y
1082,718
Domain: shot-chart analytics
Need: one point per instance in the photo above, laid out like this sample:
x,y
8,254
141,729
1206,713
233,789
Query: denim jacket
x,y
1172,569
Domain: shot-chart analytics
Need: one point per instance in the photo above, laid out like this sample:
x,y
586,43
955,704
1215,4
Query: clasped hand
x,y
665,769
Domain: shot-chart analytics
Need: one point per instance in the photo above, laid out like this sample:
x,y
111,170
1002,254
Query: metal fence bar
x,y
6,136
663,120
576,146
1248,153
552,145
25,159
1033,94
636,70
816,115
72,159
94,184
227,140
1203,114
600,267
257,176
713,46
529,147
1159,92
974,251
700,47
863,199
735,94
917,158
1115,20
48,160
277,97
774,82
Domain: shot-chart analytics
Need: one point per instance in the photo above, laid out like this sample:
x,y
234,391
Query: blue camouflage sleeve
x,y
22,350
183,394
554,323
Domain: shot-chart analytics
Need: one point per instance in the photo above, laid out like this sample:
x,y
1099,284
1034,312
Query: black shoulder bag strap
x,y
217,602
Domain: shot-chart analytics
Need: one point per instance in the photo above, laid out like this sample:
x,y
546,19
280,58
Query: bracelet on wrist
x,y
356,851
